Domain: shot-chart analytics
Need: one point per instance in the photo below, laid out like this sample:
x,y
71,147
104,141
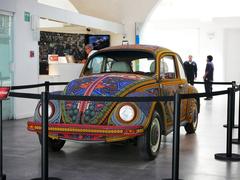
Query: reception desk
x,y
61,72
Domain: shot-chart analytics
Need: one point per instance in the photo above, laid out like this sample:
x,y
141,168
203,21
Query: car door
x,y
182,86
171,83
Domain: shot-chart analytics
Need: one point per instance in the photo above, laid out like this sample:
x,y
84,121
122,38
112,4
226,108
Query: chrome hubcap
x,y
195,118
155,135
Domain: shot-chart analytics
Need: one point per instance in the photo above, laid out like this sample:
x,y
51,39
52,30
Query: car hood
x,y
86,112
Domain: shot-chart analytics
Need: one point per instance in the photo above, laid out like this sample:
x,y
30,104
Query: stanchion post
x,y
47,86
233,122
44,135
237,141
2,176
176,142
229,156
44,147
45,100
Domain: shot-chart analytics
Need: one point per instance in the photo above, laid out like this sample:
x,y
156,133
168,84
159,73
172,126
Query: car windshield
x,y
138,62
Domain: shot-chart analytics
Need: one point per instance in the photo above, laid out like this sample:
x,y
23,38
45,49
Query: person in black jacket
x,y
190,68
208,77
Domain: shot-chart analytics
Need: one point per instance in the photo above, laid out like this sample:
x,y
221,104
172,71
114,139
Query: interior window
x,y
109,64
167,68
144,65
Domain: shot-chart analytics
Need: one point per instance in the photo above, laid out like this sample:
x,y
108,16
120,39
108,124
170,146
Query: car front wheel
x,y
53,144
149,143
191,127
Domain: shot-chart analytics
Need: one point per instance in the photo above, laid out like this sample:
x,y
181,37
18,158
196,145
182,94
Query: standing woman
x,y
208,77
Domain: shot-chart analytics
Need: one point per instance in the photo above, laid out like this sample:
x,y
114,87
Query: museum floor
x,y
105,162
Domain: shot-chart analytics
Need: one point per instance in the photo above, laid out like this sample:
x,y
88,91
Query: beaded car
x,y
122,71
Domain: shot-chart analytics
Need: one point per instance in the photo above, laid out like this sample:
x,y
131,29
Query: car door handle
x,y
180,85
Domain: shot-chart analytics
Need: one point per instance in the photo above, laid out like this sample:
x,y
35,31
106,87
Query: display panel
x,y
61,44
98,41
56,47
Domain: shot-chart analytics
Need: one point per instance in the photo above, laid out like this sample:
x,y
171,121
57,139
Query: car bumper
x,y
83,132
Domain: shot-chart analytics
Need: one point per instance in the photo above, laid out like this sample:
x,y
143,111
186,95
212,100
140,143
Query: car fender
x,y
55,117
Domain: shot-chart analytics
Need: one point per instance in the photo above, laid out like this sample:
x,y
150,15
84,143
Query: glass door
x,y
6,60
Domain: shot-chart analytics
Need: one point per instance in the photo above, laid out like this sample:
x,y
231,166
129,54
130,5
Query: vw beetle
x,y
122,71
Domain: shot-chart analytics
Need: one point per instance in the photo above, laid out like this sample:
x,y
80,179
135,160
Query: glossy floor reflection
x,y
106,162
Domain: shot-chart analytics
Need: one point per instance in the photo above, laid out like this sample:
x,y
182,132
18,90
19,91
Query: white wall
x,y
231,54
218,25
219,38
211,43
8,5
25,68
116,39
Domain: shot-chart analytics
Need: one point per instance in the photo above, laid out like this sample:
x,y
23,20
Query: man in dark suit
x,y
190,68
208,77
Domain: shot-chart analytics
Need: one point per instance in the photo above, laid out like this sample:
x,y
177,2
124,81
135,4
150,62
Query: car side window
x,y
180,67
95,65
99,64
167,68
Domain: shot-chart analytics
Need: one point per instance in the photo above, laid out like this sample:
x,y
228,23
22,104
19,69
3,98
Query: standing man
x,y
89,51
208,77
190,68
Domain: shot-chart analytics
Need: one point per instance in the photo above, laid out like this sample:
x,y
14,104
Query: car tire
x,y
53,144
149,143
191,127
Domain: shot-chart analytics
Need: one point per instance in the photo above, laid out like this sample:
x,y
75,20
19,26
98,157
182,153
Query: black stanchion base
x,y
236,141
224,157
50,178
3,177
234,126
170,179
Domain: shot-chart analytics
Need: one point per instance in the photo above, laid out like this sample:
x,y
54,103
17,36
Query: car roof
x,y
133,47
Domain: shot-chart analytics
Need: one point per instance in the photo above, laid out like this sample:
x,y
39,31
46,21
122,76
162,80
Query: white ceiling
x,y
196,9
115,10
122,11
62,4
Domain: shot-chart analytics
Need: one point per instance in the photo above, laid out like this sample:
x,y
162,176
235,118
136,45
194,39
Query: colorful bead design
x,y
86,112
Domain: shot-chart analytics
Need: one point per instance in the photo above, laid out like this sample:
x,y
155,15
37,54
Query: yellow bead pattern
x,y
78,130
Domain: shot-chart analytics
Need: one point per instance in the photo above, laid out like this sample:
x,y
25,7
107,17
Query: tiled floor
x,y
105,162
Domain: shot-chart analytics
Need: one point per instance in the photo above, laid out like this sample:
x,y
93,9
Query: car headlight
x,y
51,110
127,113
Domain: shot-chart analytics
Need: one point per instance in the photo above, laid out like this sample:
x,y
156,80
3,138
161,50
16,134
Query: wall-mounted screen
x,y
98,41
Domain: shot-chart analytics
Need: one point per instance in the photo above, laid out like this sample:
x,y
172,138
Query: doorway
x,y
6,60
